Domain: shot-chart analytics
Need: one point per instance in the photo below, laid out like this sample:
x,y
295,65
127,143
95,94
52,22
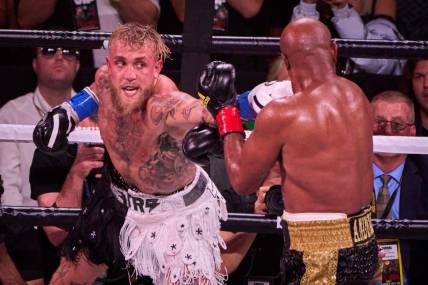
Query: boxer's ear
x,y
158,68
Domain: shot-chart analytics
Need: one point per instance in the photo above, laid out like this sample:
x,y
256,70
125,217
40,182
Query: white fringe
x,y
180,246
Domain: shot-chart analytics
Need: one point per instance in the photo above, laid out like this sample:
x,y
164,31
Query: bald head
x,y
305,36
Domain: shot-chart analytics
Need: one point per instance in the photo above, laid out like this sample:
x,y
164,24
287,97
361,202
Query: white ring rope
x,y
24,133
389,144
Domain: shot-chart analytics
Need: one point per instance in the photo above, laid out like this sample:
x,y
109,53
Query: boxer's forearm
x,y
233,146
142,11
71,192
238,245
27,18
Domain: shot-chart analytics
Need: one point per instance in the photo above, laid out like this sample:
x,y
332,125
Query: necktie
x,y
383,197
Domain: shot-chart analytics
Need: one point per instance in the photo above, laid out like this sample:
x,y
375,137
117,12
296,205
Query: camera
x,y
273,200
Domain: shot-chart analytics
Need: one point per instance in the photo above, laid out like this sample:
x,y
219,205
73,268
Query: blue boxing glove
x,y
251,102
50,133
246,111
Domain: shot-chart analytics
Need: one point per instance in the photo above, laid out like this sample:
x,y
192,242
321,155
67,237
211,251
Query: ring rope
x,y
219,44
390,144
237,222
24,134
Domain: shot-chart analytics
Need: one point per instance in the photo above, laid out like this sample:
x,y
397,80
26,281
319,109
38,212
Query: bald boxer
x,y
162,213
322,137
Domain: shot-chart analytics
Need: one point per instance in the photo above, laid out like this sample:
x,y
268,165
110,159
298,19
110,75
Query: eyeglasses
x,y
66,52
396,126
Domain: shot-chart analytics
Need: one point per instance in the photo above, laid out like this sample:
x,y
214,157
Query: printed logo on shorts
x,y
143,205
361,228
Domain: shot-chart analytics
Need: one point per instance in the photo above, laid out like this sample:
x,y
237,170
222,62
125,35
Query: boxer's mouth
x,y
130,90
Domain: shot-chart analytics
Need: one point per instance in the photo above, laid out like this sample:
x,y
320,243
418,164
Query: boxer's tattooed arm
x,y
187,112
162,109
156,115
168,163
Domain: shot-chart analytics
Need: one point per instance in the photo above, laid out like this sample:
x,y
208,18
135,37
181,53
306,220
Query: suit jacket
x,y
413,205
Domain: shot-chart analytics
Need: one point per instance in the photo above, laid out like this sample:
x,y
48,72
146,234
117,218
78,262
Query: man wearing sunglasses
x,y
401,175
55,70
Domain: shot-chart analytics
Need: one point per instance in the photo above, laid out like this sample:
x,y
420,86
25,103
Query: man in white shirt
x,y
56,70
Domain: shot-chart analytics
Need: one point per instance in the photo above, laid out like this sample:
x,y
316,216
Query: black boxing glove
x,y
274,201
50,133
201,142
217,92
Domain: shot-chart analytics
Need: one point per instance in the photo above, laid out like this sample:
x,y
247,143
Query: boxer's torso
x,y
141,147
327,150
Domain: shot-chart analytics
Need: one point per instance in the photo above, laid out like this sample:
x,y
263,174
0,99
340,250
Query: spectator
x,y
419,77
348,23
106,17
394,115
55,69
233,18
110,13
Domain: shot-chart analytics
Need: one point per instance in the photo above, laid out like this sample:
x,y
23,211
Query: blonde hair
x,y
137,35
274,68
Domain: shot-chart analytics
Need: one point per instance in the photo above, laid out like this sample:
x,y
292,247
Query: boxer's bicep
x,y
187,112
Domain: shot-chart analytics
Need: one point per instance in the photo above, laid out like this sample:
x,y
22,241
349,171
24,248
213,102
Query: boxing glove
x,y
216,89
50,133
201,142
265,92
251,102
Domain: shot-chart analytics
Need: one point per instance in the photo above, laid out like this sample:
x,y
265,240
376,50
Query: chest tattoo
x,y
165,164
126,143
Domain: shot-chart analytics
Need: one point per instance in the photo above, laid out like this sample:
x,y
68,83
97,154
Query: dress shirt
x,y
393,185
16,158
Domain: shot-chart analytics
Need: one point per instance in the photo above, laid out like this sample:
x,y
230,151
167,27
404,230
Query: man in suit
x,y
400,174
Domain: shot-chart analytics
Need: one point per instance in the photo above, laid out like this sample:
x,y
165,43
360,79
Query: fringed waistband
x,y
146,203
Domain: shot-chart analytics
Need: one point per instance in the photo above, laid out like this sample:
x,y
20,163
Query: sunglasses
x,y
396,126
66,52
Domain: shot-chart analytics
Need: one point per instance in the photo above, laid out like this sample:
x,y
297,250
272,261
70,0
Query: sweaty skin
x,y
322,136
143,127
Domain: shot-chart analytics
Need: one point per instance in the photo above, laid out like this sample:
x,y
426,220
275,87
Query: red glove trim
x,y
228,121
